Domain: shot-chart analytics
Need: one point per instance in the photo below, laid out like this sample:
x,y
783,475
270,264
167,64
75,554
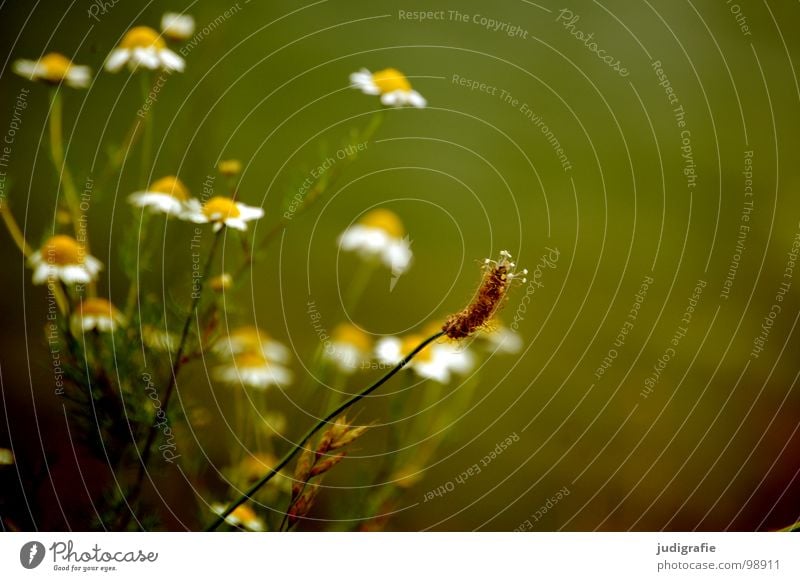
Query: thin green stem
x,y
147,143
57,154
173,377
322,423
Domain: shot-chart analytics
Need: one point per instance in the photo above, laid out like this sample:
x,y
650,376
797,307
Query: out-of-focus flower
x,y
500,339
251,339
230,167
97,314
222,211
158,339
143,47
349,348
390,84
167,195
62,257
221,282
254,370
242,516
256,465
437,361
177,26
53,69
379,234
6,457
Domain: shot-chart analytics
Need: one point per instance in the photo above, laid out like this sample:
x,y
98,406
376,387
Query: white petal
x,y
178,26
145,57
235,223
393,99
117,59
26,68
389,350
397,255
171,61
416,100
74,274
250,212
79,76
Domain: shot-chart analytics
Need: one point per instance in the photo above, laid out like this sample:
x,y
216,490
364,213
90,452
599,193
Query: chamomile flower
x,y
254,370
62,257
243,516
222,211
437,361
143,47
349,348
167,195
390,84
177,26
380,234
251,339
53,69
97,314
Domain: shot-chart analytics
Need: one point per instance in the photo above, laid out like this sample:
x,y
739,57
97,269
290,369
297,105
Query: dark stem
x,y
327,419
173,377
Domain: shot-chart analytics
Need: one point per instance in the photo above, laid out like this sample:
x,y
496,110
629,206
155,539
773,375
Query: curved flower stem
x,y
57,154
147,143
322,423
173,377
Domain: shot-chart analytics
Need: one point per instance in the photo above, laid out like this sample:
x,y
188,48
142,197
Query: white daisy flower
x,y
254,370
390,84
177,26
380,234
97,314
437,361
167,195
62,257
242,516
501,339
143,47
54,69
221,212
349,348
251,339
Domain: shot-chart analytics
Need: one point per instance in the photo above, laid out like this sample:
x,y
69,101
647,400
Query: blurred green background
x,y
714,446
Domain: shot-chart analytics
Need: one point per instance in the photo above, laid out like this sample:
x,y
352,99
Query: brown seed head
x,y
497,279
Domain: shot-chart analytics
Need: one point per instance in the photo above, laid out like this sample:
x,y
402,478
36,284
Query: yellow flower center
x,y
56,66
251,360
248,337
62,250
410,343
220,209
142,37
389,80
385,220
244,513
172,186
352,335
97,307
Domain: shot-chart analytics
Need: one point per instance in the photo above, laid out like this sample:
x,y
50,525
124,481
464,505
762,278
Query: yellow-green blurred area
x,y
627,408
